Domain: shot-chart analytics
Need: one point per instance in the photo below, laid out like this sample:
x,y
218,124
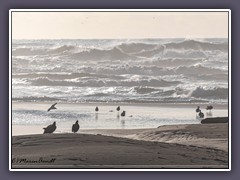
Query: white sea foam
x,y
139,70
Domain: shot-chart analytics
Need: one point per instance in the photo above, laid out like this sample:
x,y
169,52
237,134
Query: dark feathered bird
x,y
209,107
198,109
96,109
118,108
123,113
52,107
50,129
201,115
75,127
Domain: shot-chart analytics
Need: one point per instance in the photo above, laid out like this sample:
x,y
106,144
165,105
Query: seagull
x,y
52,107
50,129
209,107
118,108
96,109
198,109
75,127
123,113
201,115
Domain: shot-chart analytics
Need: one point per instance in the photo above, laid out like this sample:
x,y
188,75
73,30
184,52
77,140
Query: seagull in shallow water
x,y
96,109
123,113
201,115
52,107
198,109
50,129
118,108
209,107
75,127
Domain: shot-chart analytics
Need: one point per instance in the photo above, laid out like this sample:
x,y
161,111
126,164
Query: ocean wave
x,y
136,47
211,77
152,70
34,98
172,62
193,54
142,49
214,93
28,52
198,45
137,70
126,50
144,90
63,76
61,49
102,54
198,69
115,71
102,82
124,94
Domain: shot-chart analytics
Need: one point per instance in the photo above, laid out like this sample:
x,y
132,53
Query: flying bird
x,y
52,107
75,127
50,129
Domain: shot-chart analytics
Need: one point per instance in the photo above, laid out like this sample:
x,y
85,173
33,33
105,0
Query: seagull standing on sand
x,y
50,129
52,107
75,127
201,115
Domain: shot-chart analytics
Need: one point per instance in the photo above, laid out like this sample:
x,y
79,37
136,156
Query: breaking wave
x,y
104,82
135,70
214,93
198,45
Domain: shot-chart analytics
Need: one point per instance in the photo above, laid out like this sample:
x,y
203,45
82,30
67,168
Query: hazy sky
x,y
91,25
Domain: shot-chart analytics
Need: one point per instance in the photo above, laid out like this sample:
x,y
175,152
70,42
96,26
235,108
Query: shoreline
x,y
179,134
152,104
30,118
174,146
18,129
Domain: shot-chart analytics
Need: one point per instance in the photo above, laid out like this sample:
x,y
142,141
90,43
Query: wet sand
x,y
174,146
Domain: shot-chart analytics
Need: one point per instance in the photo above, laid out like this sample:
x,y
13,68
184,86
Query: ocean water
x,y
34,116
175,71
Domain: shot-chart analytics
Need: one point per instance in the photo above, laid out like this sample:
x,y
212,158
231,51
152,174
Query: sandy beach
x,y
170,146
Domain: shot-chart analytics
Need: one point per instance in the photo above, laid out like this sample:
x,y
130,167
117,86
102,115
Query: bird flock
x,y
199,112
75,127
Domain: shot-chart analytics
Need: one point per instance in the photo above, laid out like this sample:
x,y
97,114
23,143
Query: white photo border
x,y
118,10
